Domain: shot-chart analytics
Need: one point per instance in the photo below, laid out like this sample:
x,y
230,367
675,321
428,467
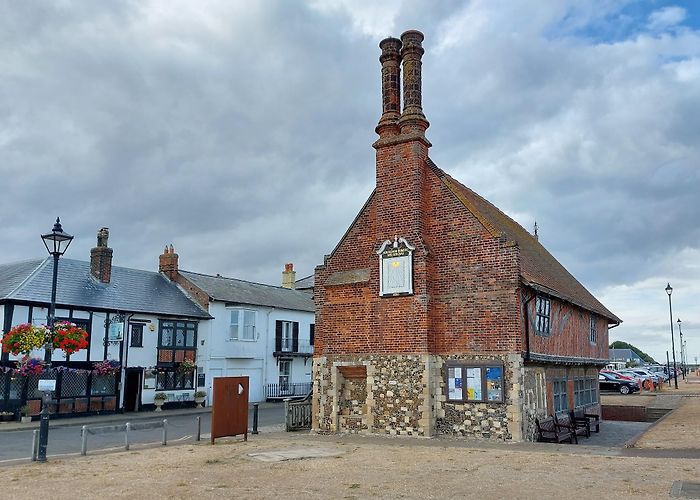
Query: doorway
x,y
132,389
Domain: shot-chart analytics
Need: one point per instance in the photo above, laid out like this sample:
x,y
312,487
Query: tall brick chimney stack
x,y
101,257
391,87
168,262
289,276
412,119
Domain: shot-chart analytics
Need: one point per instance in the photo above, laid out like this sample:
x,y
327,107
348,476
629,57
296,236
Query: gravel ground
x,y
366,467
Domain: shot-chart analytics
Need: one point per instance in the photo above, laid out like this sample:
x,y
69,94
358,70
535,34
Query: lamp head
x,y
669,289
57,241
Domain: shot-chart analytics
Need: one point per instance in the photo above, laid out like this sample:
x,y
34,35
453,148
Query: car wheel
x,y
624,389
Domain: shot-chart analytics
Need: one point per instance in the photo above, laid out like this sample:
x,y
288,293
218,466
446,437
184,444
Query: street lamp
x,y
56,243
680,332
669,290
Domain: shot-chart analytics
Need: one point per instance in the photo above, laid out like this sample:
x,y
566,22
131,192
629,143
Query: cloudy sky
x,y
241,132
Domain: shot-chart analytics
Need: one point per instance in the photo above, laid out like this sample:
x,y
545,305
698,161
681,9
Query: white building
x,y
260,331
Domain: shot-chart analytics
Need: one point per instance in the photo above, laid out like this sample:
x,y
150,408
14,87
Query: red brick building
x,y
438,313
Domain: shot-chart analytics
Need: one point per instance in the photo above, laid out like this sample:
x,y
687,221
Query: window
x,y
285,373
177,334
585,392
172,379
559,391
287,336
474,383
136,336
593,334
242,325
542,308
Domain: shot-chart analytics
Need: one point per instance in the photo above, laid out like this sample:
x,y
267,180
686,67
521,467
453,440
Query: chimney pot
x,y
412,119
391,87
168,263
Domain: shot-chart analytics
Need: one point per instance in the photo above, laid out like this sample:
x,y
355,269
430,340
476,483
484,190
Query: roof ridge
x,y
237,279
29,276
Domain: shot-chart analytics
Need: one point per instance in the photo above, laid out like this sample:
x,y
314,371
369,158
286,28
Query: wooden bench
x,y
563,420
580,423
592,419
549,431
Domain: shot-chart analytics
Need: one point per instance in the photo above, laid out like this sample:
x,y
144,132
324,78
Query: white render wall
x,y
220,356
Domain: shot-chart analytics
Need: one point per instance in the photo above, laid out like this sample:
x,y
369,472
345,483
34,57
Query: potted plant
x,y
199,398
186,367
24,411
159,399
6,416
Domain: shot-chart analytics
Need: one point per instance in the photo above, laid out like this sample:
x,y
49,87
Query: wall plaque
x,y
395,268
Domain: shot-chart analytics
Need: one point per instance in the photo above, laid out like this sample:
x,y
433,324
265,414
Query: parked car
x,y
645,375
638,379
610,382
658,370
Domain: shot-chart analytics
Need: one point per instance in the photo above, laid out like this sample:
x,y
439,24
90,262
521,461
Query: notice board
x,y
229,414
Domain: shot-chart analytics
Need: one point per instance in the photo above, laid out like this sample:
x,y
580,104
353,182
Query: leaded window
x,y
559,392
593,334
543,307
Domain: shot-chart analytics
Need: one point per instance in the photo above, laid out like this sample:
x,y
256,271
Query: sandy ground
x,y
385,468
372,467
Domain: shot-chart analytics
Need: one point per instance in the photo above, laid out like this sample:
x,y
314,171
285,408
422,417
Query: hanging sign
x,y
116,332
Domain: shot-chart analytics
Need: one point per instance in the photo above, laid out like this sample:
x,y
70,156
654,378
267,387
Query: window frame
x,y
138,326
179,380
592,330
288,327
241,326
162,326
558,396
483,366
543,316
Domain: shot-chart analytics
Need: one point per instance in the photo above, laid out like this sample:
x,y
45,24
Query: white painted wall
x,y
220,356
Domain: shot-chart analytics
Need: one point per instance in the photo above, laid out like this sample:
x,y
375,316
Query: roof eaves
x,y
544,289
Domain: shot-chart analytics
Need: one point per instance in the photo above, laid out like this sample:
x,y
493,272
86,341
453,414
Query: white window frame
x,y
287,336
248,329
288,375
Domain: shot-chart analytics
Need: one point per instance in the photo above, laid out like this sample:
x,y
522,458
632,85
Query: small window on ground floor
x,y
174,380
559,391
474,383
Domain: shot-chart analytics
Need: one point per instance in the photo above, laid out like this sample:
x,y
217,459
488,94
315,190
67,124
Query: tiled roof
x,y
304,283
129,290
538,268
623,354
245,292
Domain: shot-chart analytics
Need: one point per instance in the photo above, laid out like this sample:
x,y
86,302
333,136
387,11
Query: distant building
x,y
625,356
436,312
260,331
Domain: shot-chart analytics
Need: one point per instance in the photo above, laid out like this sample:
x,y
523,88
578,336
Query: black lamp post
x,y
669,290
56,243
680,332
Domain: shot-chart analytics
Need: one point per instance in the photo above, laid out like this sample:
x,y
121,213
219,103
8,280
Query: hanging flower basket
x,y
68,337
29,366
106,367
24,338
186,367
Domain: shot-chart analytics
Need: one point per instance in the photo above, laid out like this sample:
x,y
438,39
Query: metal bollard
x,y
199,428
127,428
83,443
255,418
35,444
165,431
287,427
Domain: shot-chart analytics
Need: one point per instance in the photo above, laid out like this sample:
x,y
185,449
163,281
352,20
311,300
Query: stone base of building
x,y
405,395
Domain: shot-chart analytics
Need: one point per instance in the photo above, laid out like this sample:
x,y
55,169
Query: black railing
x,y
280,391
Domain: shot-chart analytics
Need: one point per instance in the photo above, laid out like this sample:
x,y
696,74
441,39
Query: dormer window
x,y
543,307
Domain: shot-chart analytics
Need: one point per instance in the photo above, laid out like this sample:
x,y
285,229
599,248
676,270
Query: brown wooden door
x,y
229,414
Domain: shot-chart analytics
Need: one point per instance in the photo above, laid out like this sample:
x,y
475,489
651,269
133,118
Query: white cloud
x,y
666,17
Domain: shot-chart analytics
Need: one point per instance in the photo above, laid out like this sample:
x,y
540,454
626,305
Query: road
x,y
15,446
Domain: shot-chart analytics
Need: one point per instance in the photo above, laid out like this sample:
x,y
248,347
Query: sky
x,y
241,132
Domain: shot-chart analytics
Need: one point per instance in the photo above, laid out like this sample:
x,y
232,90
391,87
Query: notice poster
x,y
473,384
494,377
454,383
